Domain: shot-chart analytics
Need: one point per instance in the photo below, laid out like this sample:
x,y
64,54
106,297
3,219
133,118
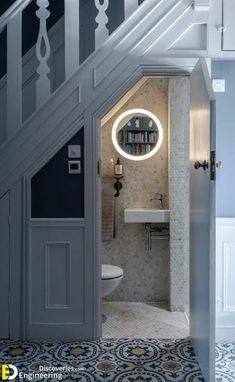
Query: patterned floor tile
x,y
225,362
109,360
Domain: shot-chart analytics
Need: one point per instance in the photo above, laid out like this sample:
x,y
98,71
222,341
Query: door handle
x,y
218,164
204,165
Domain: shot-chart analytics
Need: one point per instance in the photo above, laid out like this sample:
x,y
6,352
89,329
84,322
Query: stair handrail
x,y
16,7
12,20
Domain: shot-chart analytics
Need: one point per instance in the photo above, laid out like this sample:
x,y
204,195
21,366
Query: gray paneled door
x,y
202,221
61,283
4,265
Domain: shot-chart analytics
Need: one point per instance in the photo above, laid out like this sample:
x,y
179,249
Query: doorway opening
x,y
145,211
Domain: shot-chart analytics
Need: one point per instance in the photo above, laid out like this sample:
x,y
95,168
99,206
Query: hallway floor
x,y
133,320
225,362
111,360
106,360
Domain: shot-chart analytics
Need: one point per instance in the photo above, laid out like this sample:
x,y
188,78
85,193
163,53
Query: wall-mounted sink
x,y
146,215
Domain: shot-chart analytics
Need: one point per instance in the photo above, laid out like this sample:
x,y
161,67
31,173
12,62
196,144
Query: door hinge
x,y
213,166
98,167
9,220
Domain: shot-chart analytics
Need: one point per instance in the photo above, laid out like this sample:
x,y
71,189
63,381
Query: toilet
x,y
111,278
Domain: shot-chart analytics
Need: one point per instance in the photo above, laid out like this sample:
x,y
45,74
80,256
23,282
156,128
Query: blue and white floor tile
x,y
109,360
225,362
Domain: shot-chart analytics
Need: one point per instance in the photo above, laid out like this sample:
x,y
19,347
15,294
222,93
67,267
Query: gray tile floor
x,y
143,320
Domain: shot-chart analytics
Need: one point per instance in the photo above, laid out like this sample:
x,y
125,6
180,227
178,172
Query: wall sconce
x,y
118,174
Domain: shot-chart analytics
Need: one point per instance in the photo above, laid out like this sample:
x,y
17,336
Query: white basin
x,y
146,215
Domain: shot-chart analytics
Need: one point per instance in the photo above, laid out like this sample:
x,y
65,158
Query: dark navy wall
x,y
225,139
54,192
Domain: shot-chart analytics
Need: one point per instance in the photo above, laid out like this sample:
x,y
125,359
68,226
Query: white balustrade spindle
x,y
71,37
130,7
43,84
14,74
101,32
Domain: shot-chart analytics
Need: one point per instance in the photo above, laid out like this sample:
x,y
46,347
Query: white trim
x,y
225,310
225,333
225,222
201,5
226,306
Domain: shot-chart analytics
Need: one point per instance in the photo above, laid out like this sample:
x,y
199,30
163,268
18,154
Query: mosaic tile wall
x,y
146,274
179,192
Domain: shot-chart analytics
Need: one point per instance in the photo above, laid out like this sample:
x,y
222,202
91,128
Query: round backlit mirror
x,y
137,134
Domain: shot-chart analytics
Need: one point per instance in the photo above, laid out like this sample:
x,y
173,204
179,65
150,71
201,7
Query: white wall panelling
x,y
225,281
56,265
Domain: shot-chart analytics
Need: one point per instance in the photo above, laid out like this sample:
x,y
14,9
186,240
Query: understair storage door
x,y
57,282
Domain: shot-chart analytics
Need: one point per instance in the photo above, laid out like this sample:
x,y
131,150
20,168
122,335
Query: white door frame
x,y
96,125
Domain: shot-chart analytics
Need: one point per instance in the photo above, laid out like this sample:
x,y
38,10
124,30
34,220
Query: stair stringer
x,y
106,70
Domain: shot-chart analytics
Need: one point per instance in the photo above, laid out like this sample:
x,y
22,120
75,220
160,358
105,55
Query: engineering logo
x,y
9,372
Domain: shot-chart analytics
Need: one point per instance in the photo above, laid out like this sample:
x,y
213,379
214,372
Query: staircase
x,y
147,39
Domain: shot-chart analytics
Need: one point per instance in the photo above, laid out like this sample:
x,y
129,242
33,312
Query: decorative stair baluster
x,y
43,84
71,36
101,32
14,74
130,7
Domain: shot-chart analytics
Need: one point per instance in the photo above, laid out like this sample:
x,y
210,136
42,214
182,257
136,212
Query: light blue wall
x,y
225,139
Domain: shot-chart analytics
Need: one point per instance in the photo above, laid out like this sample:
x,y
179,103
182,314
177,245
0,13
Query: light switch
x,y
218,85
74,151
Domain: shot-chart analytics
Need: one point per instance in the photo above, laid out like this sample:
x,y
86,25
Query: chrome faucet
x,y
160,197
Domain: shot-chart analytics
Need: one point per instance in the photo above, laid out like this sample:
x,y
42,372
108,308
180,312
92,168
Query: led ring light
x,y
131,112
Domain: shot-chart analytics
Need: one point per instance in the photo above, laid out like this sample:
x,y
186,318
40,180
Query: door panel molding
x,y
57,296
51,258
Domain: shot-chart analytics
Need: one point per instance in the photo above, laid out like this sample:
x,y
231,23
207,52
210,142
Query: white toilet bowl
x,y
111,278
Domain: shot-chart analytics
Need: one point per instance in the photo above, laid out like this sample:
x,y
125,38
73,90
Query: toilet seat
x,y
110,272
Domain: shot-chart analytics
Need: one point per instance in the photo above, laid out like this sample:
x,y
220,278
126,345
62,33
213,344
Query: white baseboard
x,y
225,282
225,334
